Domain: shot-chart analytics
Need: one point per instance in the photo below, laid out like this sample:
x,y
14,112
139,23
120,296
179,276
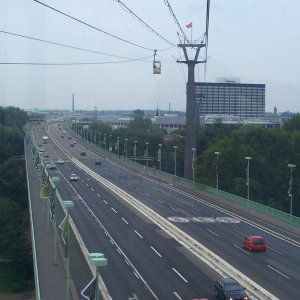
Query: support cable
x,y
63,45
176,21
126,8
93,27
73,64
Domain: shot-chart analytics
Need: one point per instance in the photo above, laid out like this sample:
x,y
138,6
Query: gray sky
x,y
257,41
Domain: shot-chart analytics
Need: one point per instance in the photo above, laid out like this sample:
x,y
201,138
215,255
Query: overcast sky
x,y
254,40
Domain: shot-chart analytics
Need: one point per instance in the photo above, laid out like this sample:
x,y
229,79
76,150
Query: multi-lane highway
x,y
145,261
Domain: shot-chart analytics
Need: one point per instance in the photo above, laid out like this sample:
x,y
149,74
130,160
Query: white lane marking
x,y
82,180
113,210
136,275
138,189
240,232
241,249
278,272
176,294
119,250
87,178
92,189
111,241
127,262
174,208
156,251
98,195
212,232
179,275
104,201
138,234
159,201
268,247
147,194
124,220
87,184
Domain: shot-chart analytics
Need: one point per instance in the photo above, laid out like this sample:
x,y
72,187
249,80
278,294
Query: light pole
x,y
248,158
95,137
99,139
159,156
194,164
134,150
97,260
147,150
110,143
290,191
68,205
104,141
53,212
125,147
217,170
118,143
175,160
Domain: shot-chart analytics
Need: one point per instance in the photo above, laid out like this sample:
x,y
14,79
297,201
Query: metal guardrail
x,y
35,268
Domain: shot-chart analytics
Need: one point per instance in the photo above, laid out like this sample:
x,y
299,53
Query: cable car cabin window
x,y
156,67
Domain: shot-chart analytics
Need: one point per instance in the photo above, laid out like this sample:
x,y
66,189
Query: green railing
x,y
272,212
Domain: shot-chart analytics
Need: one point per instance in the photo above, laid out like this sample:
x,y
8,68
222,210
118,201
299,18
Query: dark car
x,y
83,154
227,288
98,162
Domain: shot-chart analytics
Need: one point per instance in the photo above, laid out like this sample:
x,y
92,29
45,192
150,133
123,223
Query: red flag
x,y
189,25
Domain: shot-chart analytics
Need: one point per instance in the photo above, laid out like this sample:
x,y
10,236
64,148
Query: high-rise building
x,y
229,96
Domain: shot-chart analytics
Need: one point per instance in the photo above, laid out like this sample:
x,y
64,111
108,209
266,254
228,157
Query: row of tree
x,y
271,151
15,250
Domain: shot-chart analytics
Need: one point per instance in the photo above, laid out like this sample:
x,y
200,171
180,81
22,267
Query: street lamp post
x,y
97,260
194,164
134,150
290,191
68,205
217,170
95,137
110,143
125,146
99,139
105,140
159,156
118,143
248,158
147,150
175,160
53,210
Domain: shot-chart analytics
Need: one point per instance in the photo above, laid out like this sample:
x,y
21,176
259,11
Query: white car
x,y
74,177
60,161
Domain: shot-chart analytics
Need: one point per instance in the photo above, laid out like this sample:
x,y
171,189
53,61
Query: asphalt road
x,y
219,230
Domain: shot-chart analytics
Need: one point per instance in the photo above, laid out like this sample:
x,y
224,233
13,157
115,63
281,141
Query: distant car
x,y
51,166
98,162
46,155
41,150
255,243
228,288
72,144
69,138
74,177
60,161
83,154
59,128
62,136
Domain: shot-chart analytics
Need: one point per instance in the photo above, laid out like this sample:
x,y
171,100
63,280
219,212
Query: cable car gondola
x,y
156,65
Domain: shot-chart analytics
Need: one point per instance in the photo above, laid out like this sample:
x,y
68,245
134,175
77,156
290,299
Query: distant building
x,y
230,97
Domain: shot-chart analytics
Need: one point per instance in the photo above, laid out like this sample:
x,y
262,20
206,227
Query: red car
x,y
255,243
